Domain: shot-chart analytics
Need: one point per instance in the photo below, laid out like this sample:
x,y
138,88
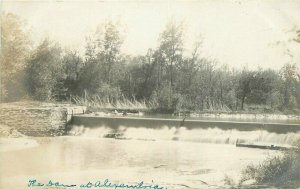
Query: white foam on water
x,y
87,132
211,135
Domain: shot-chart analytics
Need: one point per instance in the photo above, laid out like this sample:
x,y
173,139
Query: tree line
x,y
165,78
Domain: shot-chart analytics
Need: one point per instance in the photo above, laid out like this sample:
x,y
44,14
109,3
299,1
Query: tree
x,y
72,64
165,66
45,72
290,77
15,47
102,66
244,89
171,49
110,49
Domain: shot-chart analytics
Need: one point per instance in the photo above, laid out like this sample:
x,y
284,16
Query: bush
x,y
166,100
279,171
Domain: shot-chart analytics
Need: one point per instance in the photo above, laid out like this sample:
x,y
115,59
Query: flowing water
x,y
211,135
170,157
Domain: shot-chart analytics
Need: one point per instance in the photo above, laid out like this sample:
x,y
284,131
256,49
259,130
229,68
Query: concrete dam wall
x,y
156,123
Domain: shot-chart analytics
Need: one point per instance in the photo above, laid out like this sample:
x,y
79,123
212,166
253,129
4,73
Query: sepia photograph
x,y
150,94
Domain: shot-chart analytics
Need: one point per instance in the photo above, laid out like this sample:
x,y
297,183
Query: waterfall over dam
x,y
204,131
156,123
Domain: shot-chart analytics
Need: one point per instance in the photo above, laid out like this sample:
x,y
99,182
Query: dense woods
x,y
164,78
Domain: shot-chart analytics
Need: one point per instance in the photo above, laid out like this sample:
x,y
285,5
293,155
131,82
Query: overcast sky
x,y
238,33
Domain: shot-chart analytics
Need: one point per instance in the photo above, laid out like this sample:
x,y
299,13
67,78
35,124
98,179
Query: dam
x,y
260,134
173,152
156,123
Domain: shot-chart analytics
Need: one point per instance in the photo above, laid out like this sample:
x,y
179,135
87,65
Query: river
x,y
168,157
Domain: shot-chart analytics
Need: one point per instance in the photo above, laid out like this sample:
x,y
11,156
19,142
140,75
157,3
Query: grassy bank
x,y
281,171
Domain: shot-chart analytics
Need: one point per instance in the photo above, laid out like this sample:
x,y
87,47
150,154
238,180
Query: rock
x,y
9,132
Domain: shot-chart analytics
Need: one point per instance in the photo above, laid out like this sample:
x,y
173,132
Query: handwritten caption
x,y
98,184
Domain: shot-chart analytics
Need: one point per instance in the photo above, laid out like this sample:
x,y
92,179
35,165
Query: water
x,y
172,158
211,135
266,118
168,163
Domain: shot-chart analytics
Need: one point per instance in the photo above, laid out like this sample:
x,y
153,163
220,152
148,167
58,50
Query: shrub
x,y
279,171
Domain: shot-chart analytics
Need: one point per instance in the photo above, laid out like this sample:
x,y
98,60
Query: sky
x,y
255,33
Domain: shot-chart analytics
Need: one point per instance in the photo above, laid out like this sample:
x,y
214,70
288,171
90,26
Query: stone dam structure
x,y
38,119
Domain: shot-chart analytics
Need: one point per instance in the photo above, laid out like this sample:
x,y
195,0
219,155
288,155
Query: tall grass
x,y
97,103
